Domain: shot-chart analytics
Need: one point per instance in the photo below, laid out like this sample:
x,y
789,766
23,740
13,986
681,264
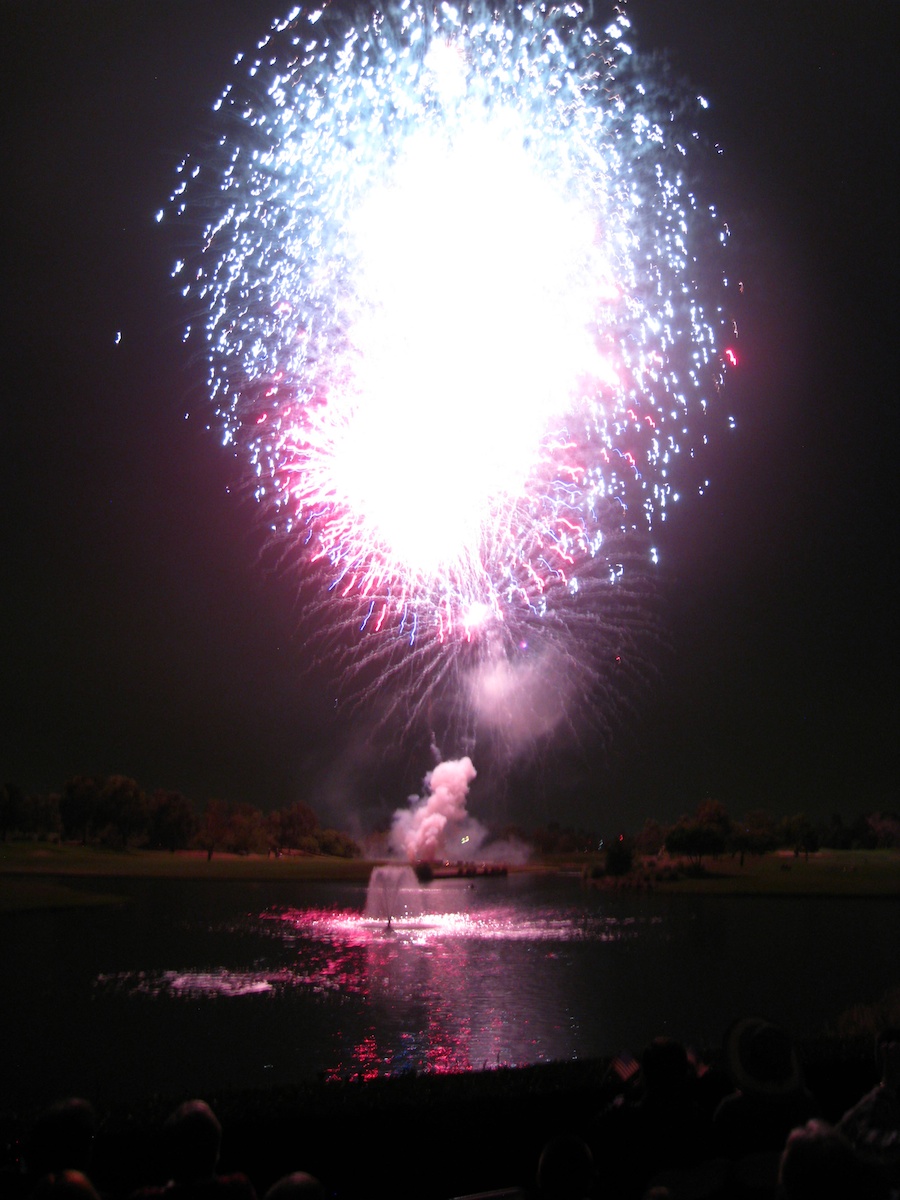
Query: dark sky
x,y
143,635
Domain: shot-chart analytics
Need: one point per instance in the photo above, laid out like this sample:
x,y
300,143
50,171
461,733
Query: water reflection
x,y
462,986
190,985
196,986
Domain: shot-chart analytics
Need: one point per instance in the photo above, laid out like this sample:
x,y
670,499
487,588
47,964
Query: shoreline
x,y
33,874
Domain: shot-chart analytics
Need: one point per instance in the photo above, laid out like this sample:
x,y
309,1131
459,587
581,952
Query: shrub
x,y
619,856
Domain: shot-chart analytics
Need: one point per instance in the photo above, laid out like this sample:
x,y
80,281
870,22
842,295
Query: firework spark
x,y
459,314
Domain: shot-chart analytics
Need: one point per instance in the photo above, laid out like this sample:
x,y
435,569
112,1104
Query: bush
x,y
619,856
333,841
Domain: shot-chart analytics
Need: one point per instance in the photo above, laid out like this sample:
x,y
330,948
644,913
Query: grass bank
x,y
52,858
825,873
33,874
780,873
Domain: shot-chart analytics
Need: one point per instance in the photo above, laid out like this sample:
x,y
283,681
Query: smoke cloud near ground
x,y
435,824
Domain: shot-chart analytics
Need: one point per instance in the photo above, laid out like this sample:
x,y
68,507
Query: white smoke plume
x,y
422,831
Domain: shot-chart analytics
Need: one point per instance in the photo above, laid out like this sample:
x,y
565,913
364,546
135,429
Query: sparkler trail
x,y
460,322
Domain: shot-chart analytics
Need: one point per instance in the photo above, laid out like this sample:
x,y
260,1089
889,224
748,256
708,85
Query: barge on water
x,y
426,871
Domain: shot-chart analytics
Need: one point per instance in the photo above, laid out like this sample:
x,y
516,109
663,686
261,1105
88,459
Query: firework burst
x,y
460,321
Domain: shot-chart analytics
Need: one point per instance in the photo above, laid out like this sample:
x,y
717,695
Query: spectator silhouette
x,y
565,1169
770,1097
61,1138
296,1186
818,1163
191,1143
872,1125
65,1185
661,1125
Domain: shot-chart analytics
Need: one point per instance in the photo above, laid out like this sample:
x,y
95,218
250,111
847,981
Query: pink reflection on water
x,y
444,992
500,923
435,985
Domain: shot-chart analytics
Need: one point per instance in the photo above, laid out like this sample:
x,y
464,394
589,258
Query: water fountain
x,y
393,893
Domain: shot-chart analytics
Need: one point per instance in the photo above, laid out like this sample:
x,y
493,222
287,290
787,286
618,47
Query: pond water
x,y
193,986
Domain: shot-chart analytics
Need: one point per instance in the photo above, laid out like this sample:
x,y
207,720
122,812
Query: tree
x,y
289,826
246,830
713,815
706,832
799,833
78,806
122,811
546,838
40,816
753,834
172,822
214,826
885,828
864,836
12,809
836,835
554,839
694,840
651,838
619,856
568,842
333,841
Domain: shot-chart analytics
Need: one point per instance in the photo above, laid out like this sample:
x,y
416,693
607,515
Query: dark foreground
x,y
426,1137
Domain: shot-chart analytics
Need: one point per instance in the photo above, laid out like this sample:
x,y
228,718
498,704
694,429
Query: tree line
x,y
710,831
115,811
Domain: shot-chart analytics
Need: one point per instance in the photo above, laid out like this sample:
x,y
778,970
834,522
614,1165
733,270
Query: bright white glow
x,y
453,286
466,347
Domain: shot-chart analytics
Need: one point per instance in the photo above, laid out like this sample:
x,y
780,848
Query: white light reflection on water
x,y
192,985
321,935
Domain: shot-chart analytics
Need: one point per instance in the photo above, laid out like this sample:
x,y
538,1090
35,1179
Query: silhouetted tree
x,y
885,828
546,838
705,833
713,815
753,834
619,856
651,838
799,834
12,806
289,826
864,837
568,842
78,806
40,816
172,821
246,830
835,834
694,840
214,827
555,839
121,813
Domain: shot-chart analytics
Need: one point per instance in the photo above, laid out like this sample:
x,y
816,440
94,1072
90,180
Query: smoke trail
x,y
419,831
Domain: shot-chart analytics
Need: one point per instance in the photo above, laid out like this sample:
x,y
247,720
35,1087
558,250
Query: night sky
x,y
145,631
